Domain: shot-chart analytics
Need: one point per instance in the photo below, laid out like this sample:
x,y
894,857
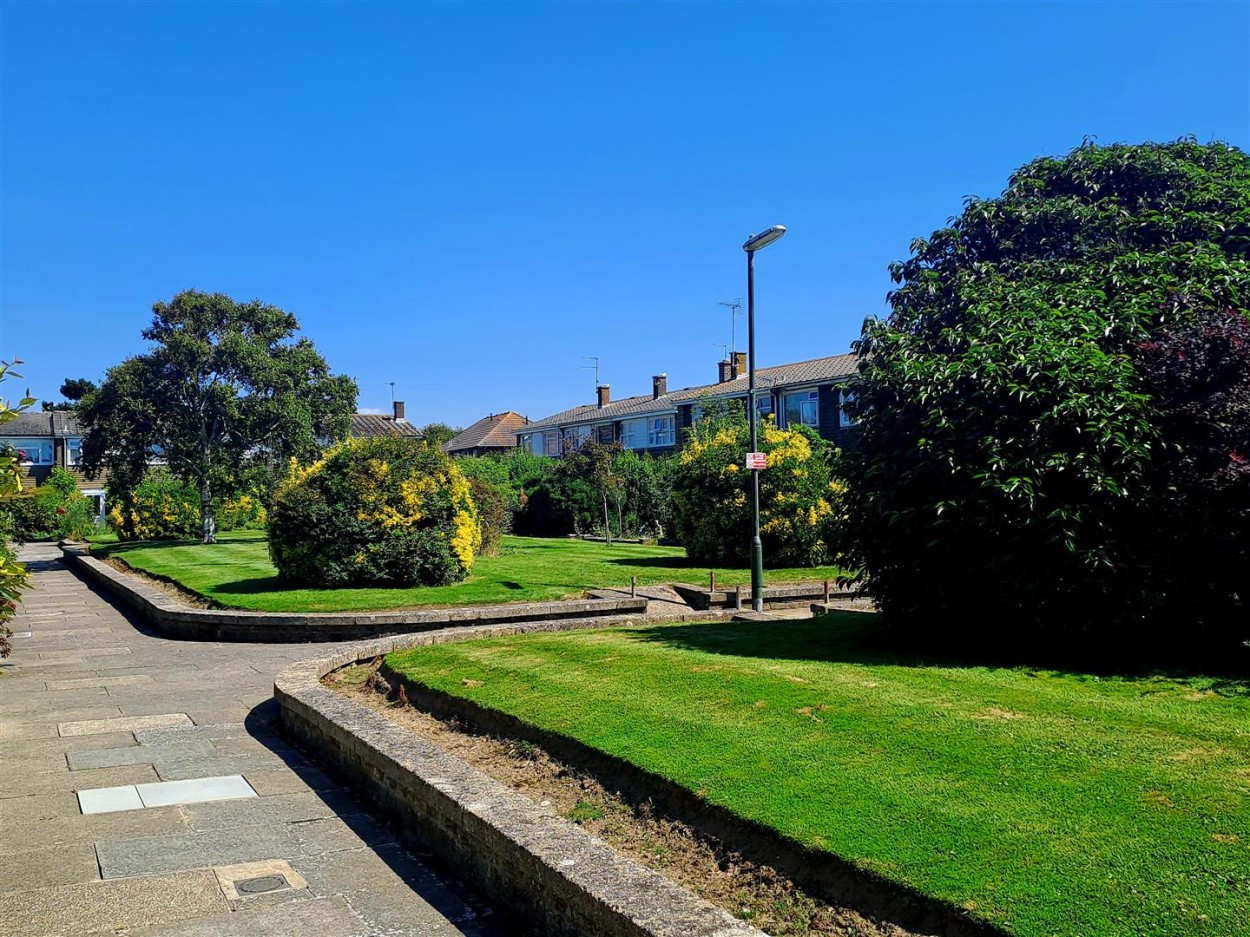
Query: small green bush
x,y
374,512
53,511
160,508
494,513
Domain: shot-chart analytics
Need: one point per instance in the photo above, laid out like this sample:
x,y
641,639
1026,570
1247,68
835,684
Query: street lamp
x,y
754,243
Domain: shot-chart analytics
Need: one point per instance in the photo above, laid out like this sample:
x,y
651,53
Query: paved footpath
x,y
97,715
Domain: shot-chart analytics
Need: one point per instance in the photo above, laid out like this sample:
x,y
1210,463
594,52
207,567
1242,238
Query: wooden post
x,y
711,580
738,597
633,587
826,591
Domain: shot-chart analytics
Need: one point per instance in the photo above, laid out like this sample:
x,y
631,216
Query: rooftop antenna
x,y
592,367
724,348
391,384
735,309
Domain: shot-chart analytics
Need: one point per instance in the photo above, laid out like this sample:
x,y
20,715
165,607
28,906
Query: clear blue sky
x,y
465,199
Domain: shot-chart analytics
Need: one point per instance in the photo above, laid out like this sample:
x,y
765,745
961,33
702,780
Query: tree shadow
x,y
657,562
857,638
253,586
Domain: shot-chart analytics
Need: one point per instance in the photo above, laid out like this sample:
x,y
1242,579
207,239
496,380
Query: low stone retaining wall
x,y
176,620
791,595
559,879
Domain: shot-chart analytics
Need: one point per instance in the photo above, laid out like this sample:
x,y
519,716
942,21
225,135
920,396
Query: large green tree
x,y
1011,482
224,386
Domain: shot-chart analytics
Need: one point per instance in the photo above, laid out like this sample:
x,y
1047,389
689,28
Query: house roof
x,y
43,423
368,425
815,370
497,431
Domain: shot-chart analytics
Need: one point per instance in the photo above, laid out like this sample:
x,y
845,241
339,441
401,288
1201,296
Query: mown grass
x,y
237,573
1049,803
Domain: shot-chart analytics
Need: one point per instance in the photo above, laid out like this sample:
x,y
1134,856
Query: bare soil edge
x,y
810,887
171,587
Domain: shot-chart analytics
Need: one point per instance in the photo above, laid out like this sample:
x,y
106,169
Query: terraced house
x,y
47,440
811,393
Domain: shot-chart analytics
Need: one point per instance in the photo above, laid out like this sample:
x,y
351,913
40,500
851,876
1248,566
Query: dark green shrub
x,y
374,512
493,513
1007,491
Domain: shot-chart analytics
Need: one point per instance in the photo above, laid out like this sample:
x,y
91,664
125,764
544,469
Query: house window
x,y
845,418
605,434
763,405
551,443
575,436
648,432
802,408
74,445
33,451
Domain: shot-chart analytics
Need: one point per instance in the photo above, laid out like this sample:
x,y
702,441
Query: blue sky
x,y
465,199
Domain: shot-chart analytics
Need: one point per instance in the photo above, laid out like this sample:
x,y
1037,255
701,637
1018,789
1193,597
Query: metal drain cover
x,y
258,886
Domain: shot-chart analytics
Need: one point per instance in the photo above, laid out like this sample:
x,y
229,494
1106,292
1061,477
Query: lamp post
x,y
754,243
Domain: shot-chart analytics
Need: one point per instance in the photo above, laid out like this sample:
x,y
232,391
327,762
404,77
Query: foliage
x,y
647,482
381,511
493,512
238,573
245,511
437,434
73,389
800,499
1051,797
224,386
1009,448
54,510
160,507
591,467
12,573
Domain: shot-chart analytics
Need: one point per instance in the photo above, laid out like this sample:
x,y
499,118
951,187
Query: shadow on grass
x,y
656,562
857,638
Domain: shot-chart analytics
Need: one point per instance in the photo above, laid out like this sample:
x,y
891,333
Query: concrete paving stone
x,y
266,782
82,683
398,910
22,832
331,834
226,814
211,733
325,917
155,671
82,780
109,799
17,750
123,724
152,854
72,632
35,763
195,790
53,657
48,867
188,769
111,906
33,727
140,754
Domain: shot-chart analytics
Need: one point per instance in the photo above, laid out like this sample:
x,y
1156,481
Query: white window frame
x,y
810,397
649,432
576,436
551,439
73,444
844,418
25,445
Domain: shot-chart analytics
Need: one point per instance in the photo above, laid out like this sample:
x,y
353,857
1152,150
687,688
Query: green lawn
x,y
1050,803
236,573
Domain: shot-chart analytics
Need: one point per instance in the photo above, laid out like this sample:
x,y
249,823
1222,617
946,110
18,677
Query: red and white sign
x,y
757,460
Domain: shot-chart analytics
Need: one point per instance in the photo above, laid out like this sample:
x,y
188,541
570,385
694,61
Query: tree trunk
x,y
607,525
206,511
620,520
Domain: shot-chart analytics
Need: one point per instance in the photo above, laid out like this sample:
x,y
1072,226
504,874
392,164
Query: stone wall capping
x,y
560,879
173,619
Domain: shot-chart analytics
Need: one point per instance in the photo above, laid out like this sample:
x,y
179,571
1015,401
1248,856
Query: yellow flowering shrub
x,y
386,511
800,500
159,508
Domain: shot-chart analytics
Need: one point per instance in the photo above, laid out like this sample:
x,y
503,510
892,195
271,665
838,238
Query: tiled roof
x,y
368,425
817,370
43,423
497,431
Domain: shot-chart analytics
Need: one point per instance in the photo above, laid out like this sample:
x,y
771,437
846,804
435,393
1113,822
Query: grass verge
x,y
237,573
1048,803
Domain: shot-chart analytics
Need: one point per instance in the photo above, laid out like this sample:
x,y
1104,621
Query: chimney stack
x,y
399,410
740,364
659,386
605,394
725,371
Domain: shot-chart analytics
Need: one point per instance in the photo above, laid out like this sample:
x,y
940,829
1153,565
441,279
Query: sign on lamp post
x,y
757,460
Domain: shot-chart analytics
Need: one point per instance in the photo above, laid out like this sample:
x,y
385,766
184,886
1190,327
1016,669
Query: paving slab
x,y
109,799
195,790
91,703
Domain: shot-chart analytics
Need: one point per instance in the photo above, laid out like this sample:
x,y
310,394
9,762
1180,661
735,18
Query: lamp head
x,y
759,241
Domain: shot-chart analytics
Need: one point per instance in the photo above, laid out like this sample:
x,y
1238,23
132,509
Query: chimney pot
x,y
659,386
725,371
740,364
399,410
605,394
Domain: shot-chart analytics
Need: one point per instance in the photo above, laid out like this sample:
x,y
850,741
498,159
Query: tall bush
x,y
160,507
1007,481
374,512
800,498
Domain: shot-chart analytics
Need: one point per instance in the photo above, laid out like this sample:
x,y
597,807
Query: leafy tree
x,y
225,385
12,573
437,434
800,498
73,389
594,465
1004,482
